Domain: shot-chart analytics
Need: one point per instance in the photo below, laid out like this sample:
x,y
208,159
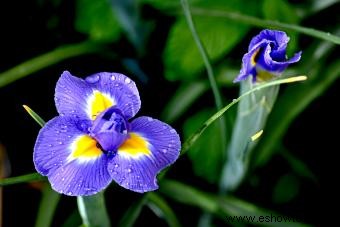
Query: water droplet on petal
x,y
92,79
69,193
149,119
113,77
60,143
173,131
164,151
62,179
116,165
129,170
127,80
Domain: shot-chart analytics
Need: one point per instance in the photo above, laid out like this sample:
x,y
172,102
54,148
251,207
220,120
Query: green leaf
x,y
303,95
298,166
286,189
255,21
182,99
131,215
42,61
96,18
207,153
181,56
93,211
34,115
73,220
252,114
220,206
281,11
22,179
47,207
194,137
160,207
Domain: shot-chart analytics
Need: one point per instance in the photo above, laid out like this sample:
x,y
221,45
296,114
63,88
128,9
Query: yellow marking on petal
x,y
135,146
85,147
263,75
253,57
256,135
98,103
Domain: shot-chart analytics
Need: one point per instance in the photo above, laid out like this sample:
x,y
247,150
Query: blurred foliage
x,y
151,38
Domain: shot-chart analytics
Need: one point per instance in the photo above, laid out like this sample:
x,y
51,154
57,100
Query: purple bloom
x,y
266,57
92,141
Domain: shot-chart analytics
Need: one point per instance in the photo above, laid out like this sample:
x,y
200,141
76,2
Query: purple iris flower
x,y
266,57
93,141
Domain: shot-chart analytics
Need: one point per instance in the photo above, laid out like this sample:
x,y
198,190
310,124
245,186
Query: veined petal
x,y
152,146
249,63
72,95
70,158
116,88
267,63
81,178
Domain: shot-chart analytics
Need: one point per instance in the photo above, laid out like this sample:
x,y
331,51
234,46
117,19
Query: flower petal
x,y
249,62
152,146
267,63
71,96
120,88
70,158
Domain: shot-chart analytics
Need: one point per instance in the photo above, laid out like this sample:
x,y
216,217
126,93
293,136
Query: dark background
x,y
29,30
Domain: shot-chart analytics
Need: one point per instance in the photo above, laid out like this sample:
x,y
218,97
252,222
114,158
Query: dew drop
x,y
173,131
116,165
129,170
149,119
69,193
92,79
62,179
60,143
234,100
164,151
127,80
113,77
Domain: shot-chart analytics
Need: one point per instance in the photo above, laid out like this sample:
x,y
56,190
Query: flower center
x,y
110,130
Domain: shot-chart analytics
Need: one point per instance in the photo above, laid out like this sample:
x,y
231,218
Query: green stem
x,y
267,23
22,179
48,205
35,64
203,52
92,210
192,139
